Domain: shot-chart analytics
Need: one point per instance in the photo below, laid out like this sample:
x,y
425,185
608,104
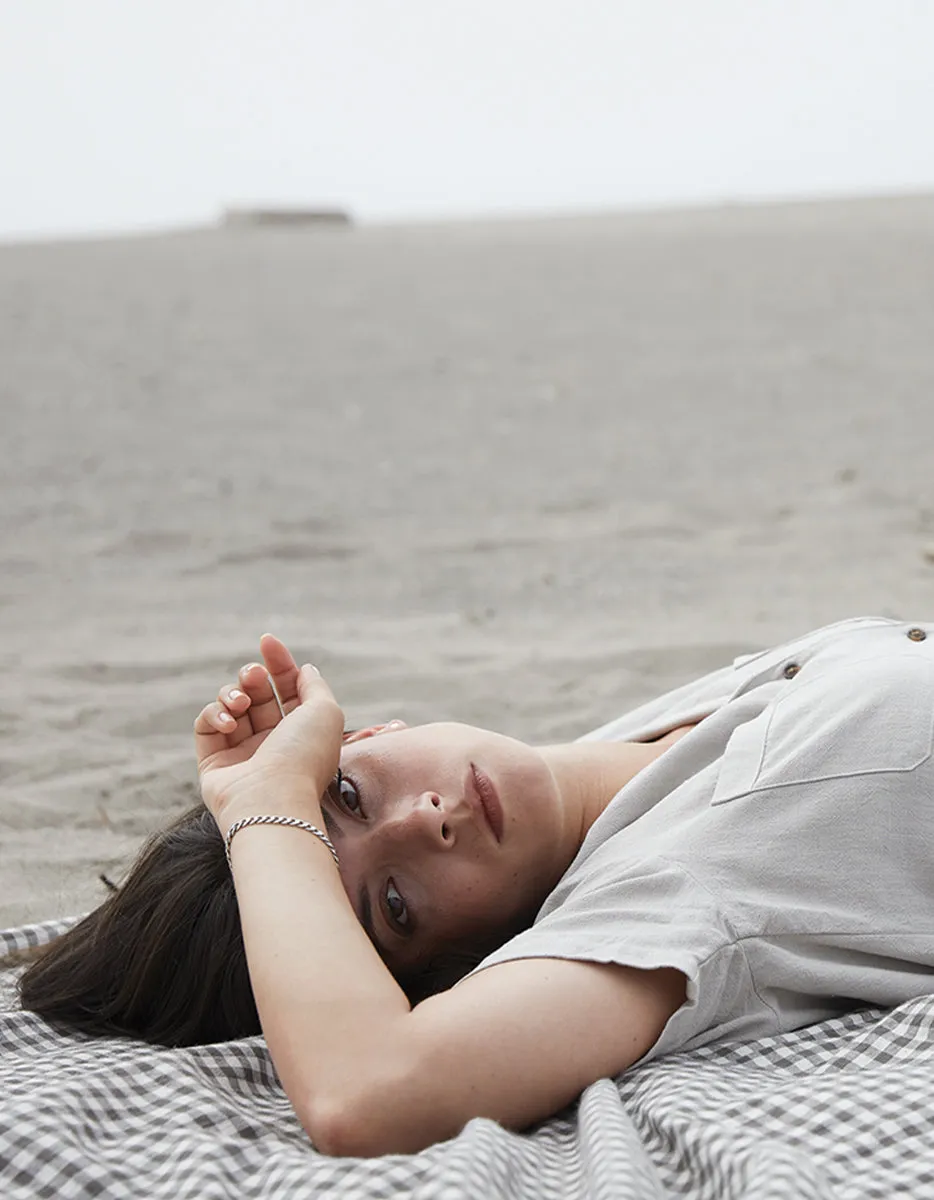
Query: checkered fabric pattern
x,y
842,1109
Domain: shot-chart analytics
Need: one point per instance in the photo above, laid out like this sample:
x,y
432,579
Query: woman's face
x,y
449,837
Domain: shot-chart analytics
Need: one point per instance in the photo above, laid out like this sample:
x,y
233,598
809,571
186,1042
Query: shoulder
x,y
516,1044
530,1035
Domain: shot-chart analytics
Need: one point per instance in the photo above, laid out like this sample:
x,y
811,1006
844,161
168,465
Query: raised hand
x,y
244,739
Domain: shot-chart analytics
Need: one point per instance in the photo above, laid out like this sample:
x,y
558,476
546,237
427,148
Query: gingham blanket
x,y
841,1109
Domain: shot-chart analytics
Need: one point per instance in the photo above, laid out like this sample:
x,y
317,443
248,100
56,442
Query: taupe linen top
x,y
781,854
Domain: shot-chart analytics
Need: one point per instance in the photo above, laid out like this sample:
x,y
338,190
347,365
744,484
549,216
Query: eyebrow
x,y
366,920
334,830
365,909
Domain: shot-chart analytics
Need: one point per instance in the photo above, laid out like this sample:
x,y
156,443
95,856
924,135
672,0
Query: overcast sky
x,y
121,114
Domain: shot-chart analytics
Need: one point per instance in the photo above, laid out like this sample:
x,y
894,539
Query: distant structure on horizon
x,y
249,218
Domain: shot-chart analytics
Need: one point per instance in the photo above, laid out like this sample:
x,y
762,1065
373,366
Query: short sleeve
x,y
650,914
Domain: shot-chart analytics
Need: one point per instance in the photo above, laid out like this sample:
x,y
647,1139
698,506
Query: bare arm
x,y
515,1043
365,1072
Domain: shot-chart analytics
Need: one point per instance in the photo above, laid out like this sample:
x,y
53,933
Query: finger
x,y
233,699
237,703
282,667
319,707
218,718
312,685
210,739
264,711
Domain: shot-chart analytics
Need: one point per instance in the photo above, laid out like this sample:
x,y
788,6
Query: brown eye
x,y
398,912
344,792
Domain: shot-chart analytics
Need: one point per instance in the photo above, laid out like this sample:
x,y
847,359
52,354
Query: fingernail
x,y
226,719
235,694
310,667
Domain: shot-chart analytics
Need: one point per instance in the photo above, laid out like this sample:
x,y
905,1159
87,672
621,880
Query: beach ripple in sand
x,y
524,474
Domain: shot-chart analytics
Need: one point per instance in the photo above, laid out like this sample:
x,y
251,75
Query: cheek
x,y
462,905
531,790
483,905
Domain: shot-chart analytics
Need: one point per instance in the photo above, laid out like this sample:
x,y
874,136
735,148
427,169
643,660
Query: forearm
x,y
364,1072
330,1010
368,1075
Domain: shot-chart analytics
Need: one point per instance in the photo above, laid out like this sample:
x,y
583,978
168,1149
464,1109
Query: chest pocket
x,y
855,719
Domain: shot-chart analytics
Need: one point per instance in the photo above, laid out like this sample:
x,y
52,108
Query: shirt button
x,y
917,635
791,670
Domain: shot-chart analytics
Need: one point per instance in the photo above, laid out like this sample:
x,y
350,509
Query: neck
x,y
588,775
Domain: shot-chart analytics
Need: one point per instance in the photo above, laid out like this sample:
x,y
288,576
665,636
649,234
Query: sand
x,y
521,473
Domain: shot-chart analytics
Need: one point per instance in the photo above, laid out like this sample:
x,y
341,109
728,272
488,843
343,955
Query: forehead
x,y
431,742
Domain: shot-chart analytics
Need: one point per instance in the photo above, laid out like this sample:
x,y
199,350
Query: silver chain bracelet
x,y
294,822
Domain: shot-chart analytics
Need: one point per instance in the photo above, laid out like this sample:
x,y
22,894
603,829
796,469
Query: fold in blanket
x,y
840,1108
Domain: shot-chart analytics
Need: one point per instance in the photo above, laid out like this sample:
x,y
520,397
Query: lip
x,y
488,799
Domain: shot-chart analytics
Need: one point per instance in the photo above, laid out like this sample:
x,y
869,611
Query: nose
x,y
423,819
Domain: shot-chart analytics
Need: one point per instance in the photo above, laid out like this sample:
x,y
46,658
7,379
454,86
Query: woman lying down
x,y
437,923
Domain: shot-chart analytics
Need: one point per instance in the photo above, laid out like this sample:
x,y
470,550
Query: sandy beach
x,y
524,474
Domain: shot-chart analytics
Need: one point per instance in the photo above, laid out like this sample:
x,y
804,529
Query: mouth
x,y
489,800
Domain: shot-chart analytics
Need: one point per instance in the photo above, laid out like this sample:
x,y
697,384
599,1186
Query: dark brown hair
x,y
162,958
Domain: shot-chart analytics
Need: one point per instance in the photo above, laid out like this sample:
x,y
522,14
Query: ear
x,y
358,735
